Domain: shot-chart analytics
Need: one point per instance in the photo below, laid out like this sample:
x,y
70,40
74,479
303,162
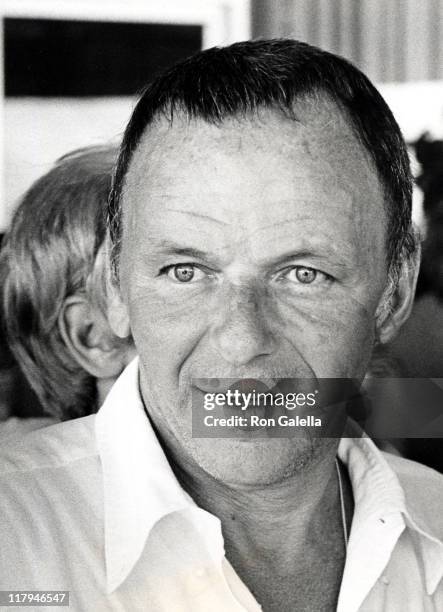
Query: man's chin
x,y
253,462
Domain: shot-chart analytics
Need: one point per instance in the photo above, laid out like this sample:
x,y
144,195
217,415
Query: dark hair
x,y
52,250
244,77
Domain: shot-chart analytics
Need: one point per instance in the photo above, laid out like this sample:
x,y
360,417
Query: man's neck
x,y
307,492
291,531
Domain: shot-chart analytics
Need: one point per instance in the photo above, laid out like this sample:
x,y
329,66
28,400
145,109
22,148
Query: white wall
x,y
38,131
34,132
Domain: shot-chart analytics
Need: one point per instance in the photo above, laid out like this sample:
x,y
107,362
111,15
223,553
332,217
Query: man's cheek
x,y
166,298
330,334
337,306
163,324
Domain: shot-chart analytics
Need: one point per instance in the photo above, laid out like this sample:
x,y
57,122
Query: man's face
x,y
254,249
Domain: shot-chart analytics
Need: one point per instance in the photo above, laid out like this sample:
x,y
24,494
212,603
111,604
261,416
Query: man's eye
x,y
305,276
184,273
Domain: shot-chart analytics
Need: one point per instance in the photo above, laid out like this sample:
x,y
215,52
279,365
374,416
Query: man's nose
x,y
241,332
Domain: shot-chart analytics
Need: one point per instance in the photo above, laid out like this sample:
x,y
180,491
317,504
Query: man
x,y
260,227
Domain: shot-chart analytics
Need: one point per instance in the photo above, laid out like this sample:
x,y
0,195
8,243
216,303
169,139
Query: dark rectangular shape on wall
x,y
51,57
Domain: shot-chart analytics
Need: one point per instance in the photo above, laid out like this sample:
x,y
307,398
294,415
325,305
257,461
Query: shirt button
x,y
385,580
197,581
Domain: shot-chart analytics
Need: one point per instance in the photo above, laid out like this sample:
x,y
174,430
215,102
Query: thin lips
x,y
245,385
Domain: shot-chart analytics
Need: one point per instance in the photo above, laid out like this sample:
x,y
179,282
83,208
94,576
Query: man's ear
x,y
398,299
117,312
90,339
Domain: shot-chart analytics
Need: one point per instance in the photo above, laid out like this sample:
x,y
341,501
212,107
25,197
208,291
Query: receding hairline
x,y
225,81
319,111
316,113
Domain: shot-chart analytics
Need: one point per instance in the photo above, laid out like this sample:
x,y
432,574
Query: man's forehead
x,y
260,181
318,129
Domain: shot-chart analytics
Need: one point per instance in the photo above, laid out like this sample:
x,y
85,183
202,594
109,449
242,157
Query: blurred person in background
x,y
7,371
16,396
418,348
54,289
20,409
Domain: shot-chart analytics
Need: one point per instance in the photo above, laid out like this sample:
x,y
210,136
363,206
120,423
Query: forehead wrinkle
x,y
191,213
287,222
189,234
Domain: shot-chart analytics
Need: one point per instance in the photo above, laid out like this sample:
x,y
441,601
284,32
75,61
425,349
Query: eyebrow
x,y
308,254
169,247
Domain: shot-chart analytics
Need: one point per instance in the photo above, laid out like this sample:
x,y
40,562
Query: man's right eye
x,y
184,273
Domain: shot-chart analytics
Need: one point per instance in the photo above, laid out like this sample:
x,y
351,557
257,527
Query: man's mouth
x,y
243,385
237,399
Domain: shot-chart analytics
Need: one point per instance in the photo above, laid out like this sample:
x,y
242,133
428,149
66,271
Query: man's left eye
x,y
184,273
304,275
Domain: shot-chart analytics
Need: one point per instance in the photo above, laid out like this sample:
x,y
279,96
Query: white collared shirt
x,y
92,506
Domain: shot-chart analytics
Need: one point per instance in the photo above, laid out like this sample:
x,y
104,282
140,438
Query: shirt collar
x,y
382,496
139,484
140,487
